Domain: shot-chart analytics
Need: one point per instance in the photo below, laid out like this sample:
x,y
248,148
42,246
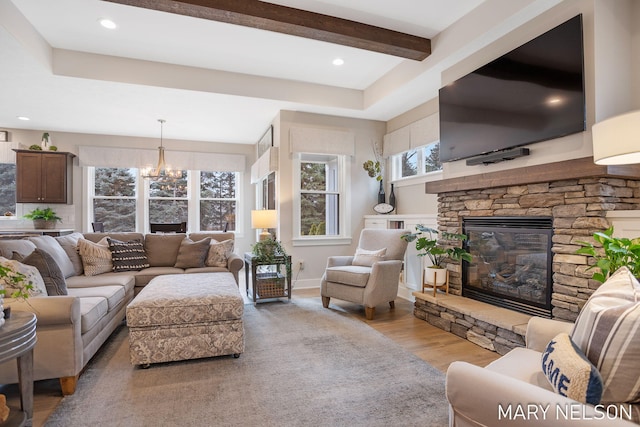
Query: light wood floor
x,y
433,345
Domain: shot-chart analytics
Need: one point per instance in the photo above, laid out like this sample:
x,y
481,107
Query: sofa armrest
x,y
540,331
234,263
51,310
481,397
339,260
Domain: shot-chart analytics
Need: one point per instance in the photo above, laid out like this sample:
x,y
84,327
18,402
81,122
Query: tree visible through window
x,y
114,201
7,188
319,195
218,200
168,199
416,162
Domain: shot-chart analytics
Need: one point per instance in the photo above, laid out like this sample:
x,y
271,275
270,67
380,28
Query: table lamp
x,y
265,219
616,141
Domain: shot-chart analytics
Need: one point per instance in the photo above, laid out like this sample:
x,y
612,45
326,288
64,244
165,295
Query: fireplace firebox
x,y
511,264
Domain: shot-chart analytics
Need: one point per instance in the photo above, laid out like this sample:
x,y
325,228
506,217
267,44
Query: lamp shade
x,y
265,218
616,141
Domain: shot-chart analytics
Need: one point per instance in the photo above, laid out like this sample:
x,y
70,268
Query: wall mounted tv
x,y
531,94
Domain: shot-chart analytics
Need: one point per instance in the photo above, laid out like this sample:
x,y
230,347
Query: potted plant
x,y
427,245
16,281
612,253
269,253
43,218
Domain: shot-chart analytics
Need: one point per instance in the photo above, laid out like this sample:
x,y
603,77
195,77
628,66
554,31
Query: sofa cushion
x,y
31,273
53,248
125,279
192,254
114,295
145,276
367,258
349,275
162,249
607,330
521,364
92,309
96,257
51,274
22,246
569,371
69,243
127,256
219,253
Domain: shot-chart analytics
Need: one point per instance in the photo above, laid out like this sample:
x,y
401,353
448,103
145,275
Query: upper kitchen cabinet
x,y
44,176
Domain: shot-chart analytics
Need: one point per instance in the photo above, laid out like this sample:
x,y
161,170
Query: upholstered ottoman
x,y
186,316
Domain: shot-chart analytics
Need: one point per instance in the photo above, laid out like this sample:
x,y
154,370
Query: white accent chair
x,y
366,285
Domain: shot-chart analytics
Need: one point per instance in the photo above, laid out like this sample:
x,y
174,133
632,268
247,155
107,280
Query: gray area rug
x,y
303,366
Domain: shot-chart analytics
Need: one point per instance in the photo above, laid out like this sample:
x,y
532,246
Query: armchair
x,y
371,284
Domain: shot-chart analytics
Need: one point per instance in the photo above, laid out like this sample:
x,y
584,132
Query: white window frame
x,y
396,166
343,177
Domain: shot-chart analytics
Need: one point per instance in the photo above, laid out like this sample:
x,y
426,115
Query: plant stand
x,y
261,286
435,286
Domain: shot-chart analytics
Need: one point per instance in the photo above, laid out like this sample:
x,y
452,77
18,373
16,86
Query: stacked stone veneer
x,y
578,208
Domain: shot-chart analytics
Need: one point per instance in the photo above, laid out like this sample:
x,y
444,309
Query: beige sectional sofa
x,y
71,328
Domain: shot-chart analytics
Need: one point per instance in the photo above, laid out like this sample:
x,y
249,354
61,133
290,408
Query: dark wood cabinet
x,y
44,177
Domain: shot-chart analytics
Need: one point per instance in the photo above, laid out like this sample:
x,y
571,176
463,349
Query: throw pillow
x,y
31,273
607,330
21,246
367,258
52,276
192,254
128,256
219,253
96,257
53,248
569,371
70,245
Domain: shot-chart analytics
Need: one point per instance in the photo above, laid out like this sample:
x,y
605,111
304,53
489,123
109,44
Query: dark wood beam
x,y
296,22
558,171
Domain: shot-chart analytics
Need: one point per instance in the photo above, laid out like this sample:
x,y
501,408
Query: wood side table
x,y
17,339
262,286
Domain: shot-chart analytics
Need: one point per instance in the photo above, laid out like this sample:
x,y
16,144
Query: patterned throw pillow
x,y
607,330
367,258
192,254
96,257
51,274
569,371
128,256
219,253
31,274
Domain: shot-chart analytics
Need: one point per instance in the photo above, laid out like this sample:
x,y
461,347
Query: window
x,y
7,188
320,183
123,201
115,198
218,200
420,161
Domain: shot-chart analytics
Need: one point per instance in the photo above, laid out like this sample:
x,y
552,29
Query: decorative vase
x,y
381,195
392,197
43,224
435,275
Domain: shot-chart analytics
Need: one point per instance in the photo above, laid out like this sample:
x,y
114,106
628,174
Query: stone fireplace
x,y
574,195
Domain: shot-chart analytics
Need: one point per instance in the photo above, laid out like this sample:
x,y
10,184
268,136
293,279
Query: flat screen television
x,y
531,94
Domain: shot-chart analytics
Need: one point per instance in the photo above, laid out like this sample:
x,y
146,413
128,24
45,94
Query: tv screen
x,y
531,94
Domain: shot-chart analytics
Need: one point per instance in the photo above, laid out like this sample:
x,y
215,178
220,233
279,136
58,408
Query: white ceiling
x,y
213,81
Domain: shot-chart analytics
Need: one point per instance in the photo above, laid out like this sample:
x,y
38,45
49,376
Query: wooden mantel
x,y
558,171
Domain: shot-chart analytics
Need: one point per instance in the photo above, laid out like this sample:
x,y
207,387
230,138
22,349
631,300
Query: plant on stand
x,y
612,253
14,280
269,253
43,218
427,244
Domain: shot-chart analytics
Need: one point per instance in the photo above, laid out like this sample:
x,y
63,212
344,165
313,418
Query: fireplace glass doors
x,y
511,264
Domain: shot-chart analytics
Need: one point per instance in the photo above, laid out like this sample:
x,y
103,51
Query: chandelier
x,y
162,170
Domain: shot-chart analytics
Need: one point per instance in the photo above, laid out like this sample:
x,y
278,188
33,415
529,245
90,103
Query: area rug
x,y
303,365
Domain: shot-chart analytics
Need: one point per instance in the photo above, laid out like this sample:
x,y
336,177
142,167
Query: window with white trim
x,y
114,198
416,162
7,188
320,183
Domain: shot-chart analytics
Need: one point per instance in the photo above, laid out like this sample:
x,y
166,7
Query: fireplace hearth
x,y
512,262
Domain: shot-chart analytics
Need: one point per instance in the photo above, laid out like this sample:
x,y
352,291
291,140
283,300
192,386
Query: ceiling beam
x,y
296,22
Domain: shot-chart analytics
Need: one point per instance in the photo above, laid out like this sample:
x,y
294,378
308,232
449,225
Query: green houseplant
x,y
269,253
43,218
611,253
427,244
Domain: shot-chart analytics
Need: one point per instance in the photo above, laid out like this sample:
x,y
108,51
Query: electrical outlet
x,y
301,264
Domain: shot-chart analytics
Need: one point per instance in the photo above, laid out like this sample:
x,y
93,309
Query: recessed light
x,y
107,23
338,62
23,118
